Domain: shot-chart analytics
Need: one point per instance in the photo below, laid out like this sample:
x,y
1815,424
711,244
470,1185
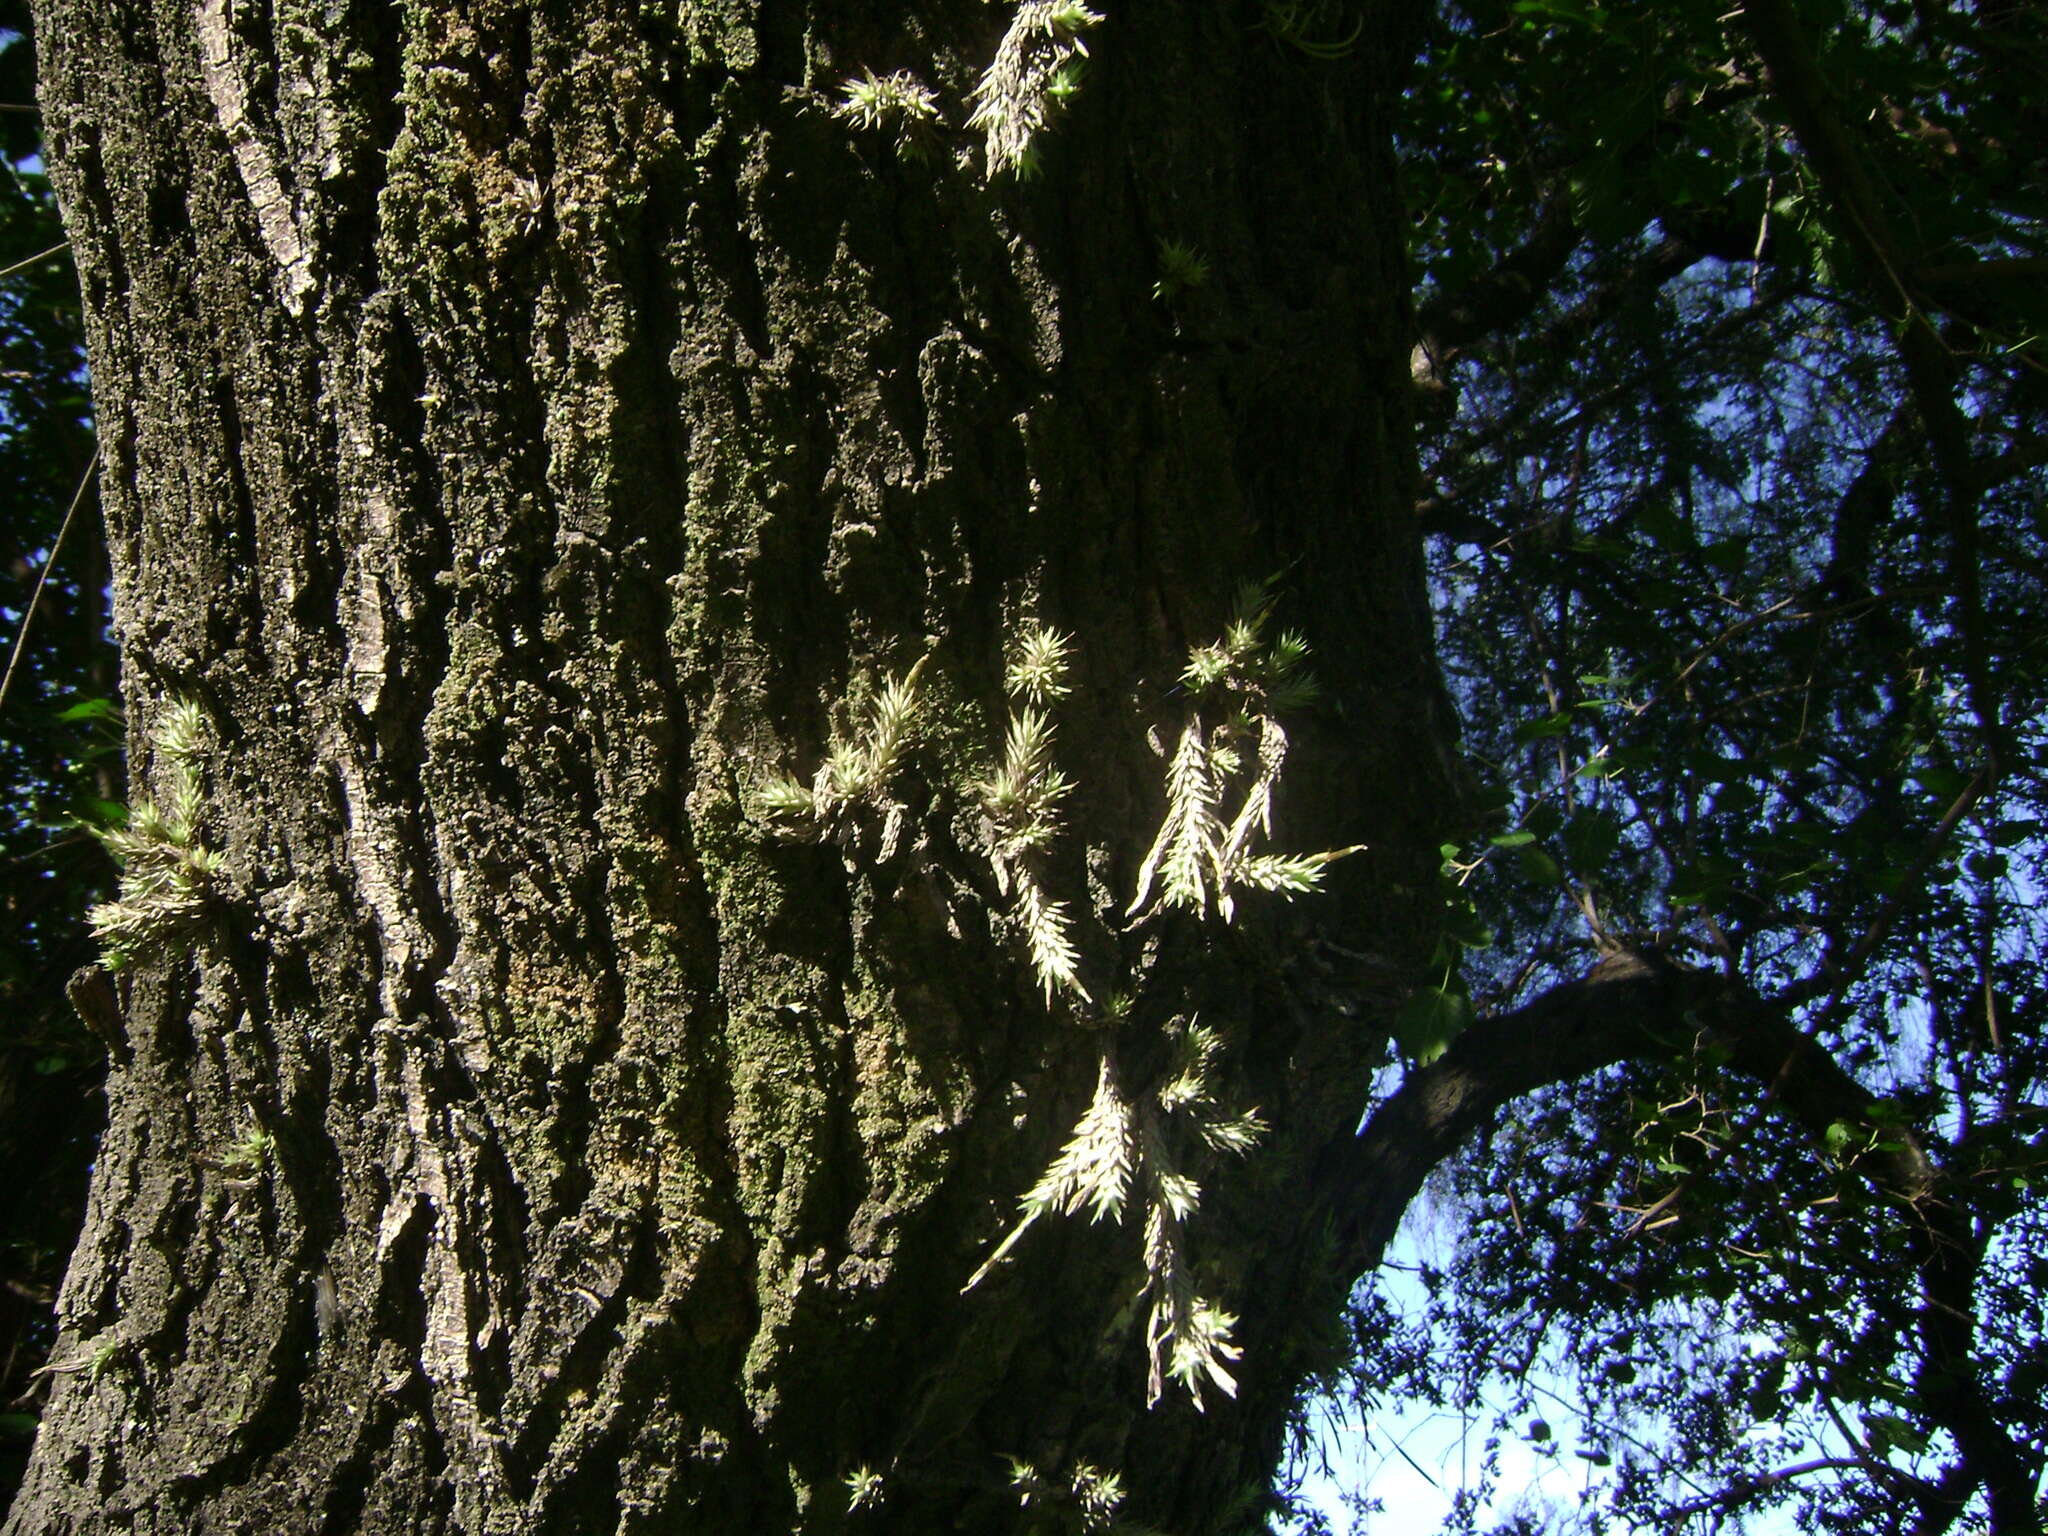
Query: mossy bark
x,y
530,430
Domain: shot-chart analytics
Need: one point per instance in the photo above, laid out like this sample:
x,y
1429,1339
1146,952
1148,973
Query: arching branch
x,y
1629,1005
1641,1004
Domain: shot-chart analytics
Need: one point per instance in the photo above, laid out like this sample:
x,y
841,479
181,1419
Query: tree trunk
x,y
531,435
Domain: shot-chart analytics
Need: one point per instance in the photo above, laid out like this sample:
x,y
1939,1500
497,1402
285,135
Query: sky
x,y
1415,1460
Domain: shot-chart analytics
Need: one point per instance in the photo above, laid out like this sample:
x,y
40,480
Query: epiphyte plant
x,y
872,102
1295,23
1021,801
1201,854
1181,268
857,770
1037,670
1090,1495
166,871
1125,1146
865,1488
1036,70
244,1159
1120,1144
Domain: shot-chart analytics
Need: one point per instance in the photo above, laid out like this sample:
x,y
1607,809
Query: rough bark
x,y
530,430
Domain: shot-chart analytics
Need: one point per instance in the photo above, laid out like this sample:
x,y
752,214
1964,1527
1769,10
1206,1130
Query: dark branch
x,y
1498,301
1642,1005
1617,1012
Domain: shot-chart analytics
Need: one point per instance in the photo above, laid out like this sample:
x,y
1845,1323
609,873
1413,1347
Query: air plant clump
x,y
1090,1492
1037,669
246,1156
1065,82
1020,801
1093,1170
1271,673
856,770
865,1488
1120,1146
1201,855
900,100
1129,1149
1181,267
167,873
1037,69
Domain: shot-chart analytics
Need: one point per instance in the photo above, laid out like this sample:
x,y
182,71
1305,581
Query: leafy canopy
x,y
1735,437
60,764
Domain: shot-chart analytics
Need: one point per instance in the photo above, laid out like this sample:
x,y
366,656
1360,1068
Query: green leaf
x,y
2008,833
89,709
1492,797
1888,1429
1463,924
1701,882
1430,1020
1987,866
1737,799
1590,838
1943,783
1549,725
1728,556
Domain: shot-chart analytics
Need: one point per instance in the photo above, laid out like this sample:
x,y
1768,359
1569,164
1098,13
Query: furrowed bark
x,y
529,432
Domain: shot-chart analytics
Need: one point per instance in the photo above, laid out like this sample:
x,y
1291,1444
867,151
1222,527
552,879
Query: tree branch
x,y
1502,298
1798,86
1744,1489
1641,1004
1567,1033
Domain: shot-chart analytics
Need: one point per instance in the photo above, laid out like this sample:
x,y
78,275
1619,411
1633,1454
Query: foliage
x,y
1735,433
1181,268
1201,853
166,871
1737,439
60,752
1037,70
1087,1498
1120,1146
857,768
1021,799
873,102
1307,27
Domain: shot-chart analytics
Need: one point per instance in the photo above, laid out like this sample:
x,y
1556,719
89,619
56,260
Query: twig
x,y
29,613
28,261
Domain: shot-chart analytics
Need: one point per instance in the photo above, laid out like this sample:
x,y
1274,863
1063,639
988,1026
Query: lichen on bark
x,y
633,420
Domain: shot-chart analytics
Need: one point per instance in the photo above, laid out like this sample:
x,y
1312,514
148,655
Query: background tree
x,y
59,762
1740,313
